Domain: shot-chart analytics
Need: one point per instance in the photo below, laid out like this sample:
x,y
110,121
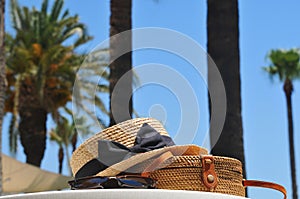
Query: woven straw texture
x,y
123,133
184,173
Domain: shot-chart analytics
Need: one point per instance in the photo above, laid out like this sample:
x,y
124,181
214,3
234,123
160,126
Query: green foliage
x,y
41,39
42,52
284,64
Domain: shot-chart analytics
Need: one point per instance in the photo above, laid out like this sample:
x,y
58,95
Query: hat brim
x,y
130,165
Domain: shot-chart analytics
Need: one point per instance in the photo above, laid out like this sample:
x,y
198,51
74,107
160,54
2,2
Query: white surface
x,y
122,194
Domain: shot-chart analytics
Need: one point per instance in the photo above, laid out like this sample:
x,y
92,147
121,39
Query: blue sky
x,y
264,25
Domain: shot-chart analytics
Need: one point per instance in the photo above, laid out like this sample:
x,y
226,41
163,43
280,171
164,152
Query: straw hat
x,y
125,134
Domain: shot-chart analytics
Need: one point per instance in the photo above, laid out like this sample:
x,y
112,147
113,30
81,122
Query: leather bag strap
x,y
270,185
246,183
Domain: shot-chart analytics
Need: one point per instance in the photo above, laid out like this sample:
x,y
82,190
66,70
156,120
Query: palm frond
x,y
14,13
99,103
56,9
65,14
55,137
284,64
44,7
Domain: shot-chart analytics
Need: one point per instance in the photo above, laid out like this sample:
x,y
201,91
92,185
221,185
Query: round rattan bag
x,y
200,173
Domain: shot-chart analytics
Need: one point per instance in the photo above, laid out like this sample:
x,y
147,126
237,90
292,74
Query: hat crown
x,y
124,133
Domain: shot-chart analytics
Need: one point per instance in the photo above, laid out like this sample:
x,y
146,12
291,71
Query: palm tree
x,y
285,65
2,80
65,134
223,47
62,135
120,20
41,69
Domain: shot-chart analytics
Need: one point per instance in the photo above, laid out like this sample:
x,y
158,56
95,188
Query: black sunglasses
x,y
98,182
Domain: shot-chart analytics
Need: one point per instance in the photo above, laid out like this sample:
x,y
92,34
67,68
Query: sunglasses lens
x,y
137,181
132,183
89,183
112,182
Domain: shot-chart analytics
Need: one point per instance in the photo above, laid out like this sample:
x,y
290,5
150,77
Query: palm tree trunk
x,y
2,80
223,47
60,159
120,20
74,140
288,89
68,159
32,125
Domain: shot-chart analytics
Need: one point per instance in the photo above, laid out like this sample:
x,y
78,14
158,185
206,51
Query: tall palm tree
x,y
41,69
120,20
223,47
88,75
2,79
285,65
